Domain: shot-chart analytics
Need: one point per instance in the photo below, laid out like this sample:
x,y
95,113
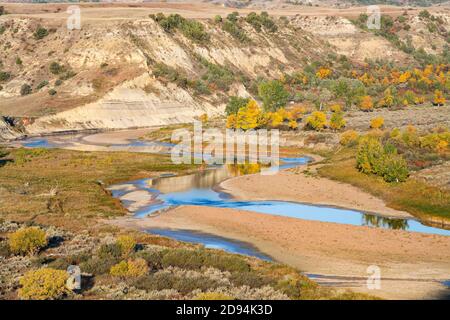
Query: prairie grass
x,y
68,186
413,196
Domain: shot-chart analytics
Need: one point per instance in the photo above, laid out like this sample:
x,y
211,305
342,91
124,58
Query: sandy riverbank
x,y
293,185
411,270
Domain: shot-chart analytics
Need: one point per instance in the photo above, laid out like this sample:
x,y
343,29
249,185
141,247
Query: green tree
x,y
348,89
234,104
273,95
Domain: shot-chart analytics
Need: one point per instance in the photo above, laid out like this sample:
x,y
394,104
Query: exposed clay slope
x,y
108,66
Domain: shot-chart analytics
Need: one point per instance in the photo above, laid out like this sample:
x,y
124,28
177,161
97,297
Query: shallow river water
x,y
200,189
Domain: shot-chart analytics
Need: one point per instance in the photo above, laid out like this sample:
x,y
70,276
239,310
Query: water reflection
x,y
200,189
211,241
372,220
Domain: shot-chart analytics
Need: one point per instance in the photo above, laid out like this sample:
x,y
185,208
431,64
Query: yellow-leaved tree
x,y
249,116
316,121
439,99
366,103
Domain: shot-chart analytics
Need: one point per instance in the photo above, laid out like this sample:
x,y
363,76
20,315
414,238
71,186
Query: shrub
x,y
236,31
182,258
52,92
194,30
295,287
262,20
435,141
195,259
393,168
5,250
27,240
204,118
316,121
64,262
153,258
170,22
373,157
323,73
218,76
233,17
213,296
234,104
110,251
273,95
337,121
127,245
97,266
251,279
25,89
424,14
349,138
168,73
19,61
43,284
217,19
184,285
200,87
40,33
336,108
42,84
377,123
366,103
370,151
56,68
439,99
130,269
5,76
293,124
226,263
191,29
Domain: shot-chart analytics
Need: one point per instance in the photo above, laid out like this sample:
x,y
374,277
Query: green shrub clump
x,y
42,84
25,89
195,259
5,76
273,95
56,68
234,104
191,29
27,240
40,33
374,158
231,26
262,20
